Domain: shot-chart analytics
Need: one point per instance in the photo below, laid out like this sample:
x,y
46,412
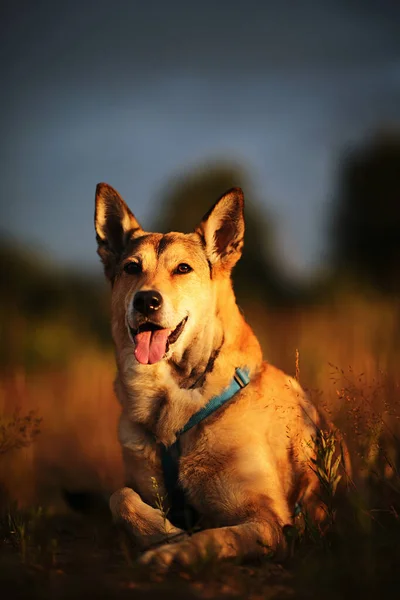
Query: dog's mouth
x,y
152,342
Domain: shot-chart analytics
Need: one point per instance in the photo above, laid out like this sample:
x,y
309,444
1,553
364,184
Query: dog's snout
x,y
147,303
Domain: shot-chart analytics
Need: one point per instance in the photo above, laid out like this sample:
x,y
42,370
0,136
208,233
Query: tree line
x,y
43,310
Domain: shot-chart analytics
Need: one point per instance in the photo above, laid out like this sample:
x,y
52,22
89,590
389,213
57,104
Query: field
x,y
345,352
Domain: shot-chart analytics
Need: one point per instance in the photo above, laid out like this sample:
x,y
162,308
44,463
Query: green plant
x,y
326,468
30,533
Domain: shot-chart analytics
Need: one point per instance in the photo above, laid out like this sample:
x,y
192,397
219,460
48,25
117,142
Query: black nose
x,y
147,302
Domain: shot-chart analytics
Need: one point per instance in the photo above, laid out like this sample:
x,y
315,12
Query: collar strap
x,y
239,381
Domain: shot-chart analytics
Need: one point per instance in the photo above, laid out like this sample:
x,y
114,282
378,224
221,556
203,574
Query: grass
x,y
77,446
160,503
326,467
18,431
349,356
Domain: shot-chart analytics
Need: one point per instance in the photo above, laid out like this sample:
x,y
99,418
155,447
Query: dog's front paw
x,y
163,558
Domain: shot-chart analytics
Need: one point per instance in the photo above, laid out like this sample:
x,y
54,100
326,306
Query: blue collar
x,y
239,381
180,513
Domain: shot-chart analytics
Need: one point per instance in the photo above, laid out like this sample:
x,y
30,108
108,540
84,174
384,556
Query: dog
x,y
180,341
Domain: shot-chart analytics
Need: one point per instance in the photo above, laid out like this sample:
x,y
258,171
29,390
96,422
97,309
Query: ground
x,y
72,556
89,560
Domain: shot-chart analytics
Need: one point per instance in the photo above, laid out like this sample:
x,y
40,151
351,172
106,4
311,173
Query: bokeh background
x,y
172,103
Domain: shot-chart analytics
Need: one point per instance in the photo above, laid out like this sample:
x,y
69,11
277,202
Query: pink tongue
x,y
150,346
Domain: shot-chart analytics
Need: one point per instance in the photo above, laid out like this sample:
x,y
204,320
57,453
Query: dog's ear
x,y
115,225
222,229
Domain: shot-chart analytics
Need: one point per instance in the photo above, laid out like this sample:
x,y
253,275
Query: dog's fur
x,y
246,466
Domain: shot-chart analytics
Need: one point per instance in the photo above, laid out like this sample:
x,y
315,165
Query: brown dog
x,y
179,337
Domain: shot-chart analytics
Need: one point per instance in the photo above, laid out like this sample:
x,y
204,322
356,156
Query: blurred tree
x,y
47,313
256,275
366,224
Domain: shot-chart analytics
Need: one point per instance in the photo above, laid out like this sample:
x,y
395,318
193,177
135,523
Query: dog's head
x,y
164,285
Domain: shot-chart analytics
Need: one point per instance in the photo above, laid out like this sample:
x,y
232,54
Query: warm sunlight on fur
x,y
179,336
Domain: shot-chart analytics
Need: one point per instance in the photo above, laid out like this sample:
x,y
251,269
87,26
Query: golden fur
x,y
244,467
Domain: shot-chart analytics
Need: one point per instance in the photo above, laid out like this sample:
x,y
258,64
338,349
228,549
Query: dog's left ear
x,y
222,229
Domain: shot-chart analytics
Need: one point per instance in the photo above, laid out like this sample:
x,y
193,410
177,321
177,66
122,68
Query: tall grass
x,y
77,446
349,355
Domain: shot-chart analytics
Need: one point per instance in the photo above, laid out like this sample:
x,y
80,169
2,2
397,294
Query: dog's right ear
x,y
115,225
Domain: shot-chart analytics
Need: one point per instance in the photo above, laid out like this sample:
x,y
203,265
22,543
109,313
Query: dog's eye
x,y
183,268
133,268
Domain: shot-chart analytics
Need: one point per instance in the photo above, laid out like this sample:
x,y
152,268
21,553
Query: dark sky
x,y
134,93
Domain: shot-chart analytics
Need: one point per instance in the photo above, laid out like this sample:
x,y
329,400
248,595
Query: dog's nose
x,y
147,302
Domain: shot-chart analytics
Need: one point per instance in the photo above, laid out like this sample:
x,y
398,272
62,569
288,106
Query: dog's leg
x,y
247,540
145,524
